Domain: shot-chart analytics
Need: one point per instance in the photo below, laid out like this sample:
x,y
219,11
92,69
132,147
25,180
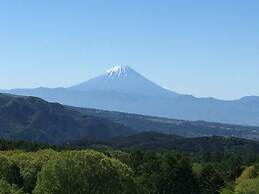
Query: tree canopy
x,y
81,172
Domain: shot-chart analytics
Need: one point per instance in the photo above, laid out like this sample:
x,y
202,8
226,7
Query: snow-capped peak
x,y
119,71
123,79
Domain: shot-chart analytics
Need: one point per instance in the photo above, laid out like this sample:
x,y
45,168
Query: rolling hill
x,y
141,123
33,119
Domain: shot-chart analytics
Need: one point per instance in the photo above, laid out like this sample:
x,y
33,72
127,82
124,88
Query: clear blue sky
x,y
201,47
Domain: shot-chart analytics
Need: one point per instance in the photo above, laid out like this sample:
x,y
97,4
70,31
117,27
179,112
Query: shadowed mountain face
x,y
123,89
33,119
141,123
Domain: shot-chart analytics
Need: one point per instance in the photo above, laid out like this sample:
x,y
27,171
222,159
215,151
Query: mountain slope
x,y
153,141
123,79
33,119
123,89
30,118
141,123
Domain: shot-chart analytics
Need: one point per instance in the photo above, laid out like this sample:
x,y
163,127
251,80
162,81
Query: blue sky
x,y
201,47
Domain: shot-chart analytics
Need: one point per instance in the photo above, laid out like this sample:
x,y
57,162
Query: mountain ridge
x,y
119,90
34,119
184,128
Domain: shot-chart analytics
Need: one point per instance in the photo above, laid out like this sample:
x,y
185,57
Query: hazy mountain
x,y
141,123
33,119
123,79
123,89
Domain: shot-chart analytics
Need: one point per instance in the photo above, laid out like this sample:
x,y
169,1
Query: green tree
x,y
10,172
210,181
149,174
136,161
226,191
30,163
177,176
234,164
84,172
165,174
6,188
249,186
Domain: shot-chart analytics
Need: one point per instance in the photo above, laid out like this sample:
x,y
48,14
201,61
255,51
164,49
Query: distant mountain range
x,y
33,119
123,89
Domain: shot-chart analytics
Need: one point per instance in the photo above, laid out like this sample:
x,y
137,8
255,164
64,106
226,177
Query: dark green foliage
x,y
177,176
235,167
10,172
23,145
210,181
156,141
255,172
6,188
163,173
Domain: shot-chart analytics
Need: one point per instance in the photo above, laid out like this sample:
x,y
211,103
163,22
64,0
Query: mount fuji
x,y
123,89
123,79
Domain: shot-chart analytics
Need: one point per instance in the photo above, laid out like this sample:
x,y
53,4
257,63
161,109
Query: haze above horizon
x,y
203,48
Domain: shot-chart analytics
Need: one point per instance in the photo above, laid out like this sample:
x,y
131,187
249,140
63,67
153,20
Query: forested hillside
x,y
142,123
156,141
33,119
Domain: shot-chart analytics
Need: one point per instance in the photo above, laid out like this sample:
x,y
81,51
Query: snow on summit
x,y
123,79
119,70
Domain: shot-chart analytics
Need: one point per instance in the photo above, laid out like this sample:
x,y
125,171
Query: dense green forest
x,y
157,141
44,169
